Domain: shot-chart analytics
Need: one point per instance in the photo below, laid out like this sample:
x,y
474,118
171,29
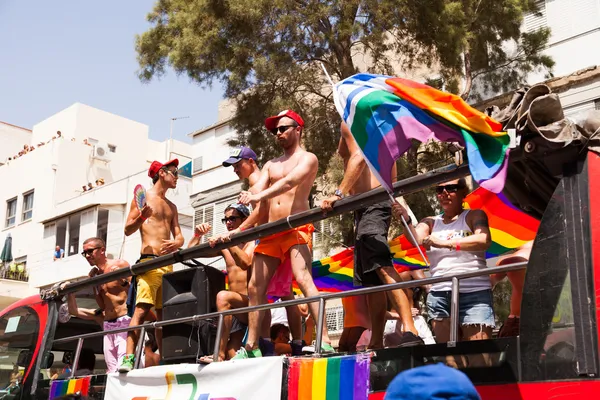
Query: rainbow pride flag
x,y
384,114
332,378
509,226
71,386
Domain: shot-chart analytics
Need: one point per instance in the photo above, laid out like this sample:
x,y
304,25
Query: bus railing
x,y
321,298
351,203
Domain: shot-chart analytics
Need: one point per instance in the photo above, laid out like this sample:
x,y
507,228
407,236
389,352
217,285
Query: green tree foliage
x,y
268,53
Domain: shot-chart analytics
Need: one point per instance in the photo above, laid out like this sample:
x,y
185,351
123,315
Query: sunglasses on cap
x,y
448,188
282,128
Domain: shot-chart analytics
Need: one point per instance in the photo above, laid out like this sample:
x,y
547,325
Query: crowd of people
x,y
455,241
29,148
90,186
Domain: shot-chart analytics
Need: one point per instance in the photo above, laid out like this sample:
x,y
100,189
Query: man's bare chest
x,y
161,210
280,170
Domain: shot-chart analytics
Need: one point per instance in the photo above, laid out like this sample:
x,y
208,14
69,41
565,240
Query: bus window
x,y
18,334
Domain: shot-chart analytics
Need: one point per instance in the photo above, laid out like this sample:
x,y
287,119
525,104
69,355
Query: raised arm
x,y
135,219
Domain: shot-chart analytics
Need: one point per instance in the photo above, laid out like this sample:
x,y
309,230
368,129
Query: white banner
x,y
250,379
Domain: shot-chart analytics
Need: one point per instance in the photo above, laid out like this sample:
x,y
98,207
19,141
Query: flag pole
x,y
407,229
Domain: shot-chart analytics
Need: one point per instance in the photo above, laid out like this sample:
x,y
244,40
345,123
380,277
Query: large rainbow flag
x,y
509,226
384,114
332,378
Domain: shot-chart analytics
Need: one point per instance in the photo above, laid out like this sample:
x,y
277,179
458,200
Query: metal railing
x,y
14,272
403,187
321,298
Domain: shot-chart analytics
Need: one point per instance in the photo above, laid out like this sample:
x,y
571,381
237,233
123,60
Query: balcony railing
x,y
14,272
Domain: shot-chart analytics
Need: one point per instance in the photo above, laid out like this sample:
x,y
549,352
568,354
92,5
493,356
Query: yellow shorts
x,y
149,285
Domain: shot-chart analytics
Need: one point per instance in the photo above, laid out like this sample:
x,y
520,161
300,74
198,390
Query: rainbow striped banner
x,y
510,227
71,386
332,378
384,114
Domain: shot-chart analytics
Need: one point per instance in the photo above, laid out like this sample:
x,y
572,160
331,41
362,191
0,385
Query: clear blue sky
x,y
56,53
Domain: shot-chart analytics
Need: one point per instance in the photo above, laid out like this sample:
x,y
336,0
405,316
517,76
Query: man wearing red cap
x,y
282,190
156,221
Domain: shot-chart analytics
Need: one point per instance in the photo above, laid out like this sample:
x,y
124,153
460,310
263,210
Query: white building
x,y
575,33
45,205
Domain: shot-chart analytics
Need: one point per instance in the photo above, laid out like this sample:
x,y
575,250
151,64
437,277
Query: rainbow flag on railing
x,y
509,226
384,114
332,378
71,386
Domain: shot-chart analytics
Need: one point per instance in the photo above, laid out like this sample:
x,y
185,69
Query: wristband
x,y
143,218
457,246
197,235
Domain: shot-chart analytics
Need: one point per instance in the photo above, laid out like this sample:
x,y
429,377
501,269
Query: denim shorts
x,y
474,308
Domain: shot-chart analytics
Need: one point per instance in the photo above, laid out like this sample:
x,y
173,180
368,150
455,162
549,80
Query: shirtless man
x,y
156,222
238,260
282,190
372,258
111,298
243,160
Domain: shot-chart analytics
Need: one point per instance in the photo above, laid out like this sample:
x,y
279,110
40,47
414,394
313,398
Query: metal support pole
x,y
139,350
218,338
454,313
320,322
76,358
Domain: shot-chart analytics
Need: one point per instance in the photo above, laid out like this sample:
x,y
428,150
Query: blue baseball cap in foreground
x,y
242,209
239,154
431,382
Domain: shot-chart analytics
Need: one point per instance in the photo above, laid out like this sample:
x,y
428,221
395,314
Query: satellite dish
x,y
63,313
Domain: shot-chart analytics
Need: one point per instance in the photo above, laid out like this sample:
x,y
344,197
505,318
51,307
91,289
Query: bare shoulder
x,y
117,264
308,157
477,219
172,205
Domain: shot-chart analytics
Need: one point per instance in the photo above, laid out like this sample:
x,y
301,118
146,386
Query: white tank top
x,y
446,262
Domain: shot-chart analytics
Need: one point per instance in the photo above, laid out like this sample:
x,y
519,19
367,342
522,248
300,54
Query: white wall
x,y
212,146
13,138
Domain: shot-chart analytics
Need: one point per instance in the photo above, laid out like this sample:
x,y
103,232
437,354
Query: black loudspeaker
x,y
192,291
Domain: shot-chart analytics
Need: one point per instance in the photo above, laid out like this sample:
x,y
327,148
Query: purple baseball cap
x,y
239,154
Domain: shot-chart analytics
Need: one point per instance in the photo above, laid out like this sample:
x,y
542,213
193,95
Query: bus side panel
x,y
594,195
563,390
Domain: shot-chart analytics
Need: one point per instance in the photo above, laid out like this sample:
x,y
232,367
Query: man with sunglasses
x,y
156,221
372,258
283,189
237,261
112,302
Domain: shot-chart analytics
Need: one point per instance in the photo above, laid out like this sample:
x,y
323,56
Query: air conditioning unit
x,y
101,152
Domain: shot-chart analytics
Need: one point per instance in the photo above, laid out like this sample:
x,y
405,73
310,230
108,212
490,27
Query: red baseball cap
x,y
271,122
157,165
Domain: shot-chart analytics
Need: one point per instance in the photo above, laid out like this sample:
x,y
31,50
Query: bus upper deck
x,y
558,338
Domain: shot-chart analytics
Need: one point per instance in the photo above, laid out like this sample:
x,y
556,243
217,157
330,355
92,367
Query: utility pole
x,y
170,144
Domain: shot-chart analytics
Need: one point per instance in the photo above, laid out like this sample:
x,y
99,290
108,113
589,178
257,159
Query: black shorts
x,y
371,250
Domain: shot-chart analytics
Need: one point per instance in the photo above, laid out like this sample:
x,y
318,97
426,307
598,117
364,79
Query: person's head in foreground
x,y
166,173
451,194
243,161
235,214
287,127
431,382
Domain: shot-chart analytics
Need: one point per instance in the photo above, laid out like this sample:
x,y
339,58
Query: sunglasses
x,y
174,173
230,219
89,252
282,129
448,188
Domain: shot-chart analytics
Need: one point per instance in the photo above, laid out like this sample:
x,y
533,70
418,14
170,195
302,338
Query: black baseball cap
x,y
239,154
